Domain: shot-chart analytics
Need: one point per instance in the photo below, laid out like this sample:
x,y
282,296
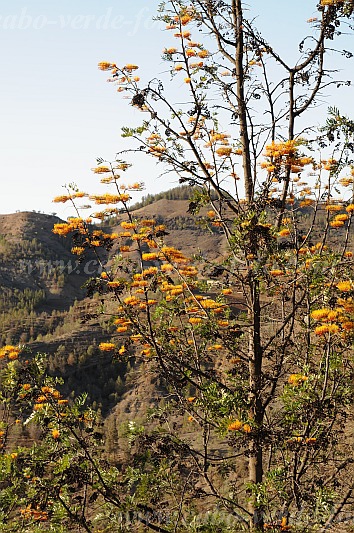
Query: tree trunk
x,y
256,412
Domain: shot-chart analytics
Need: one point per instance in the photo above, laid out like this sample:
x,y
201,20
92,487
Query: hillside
x,y
44,305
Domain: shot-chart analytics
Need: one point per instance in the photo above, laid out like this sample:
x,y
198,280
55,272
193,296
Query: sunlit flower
x,y
129,67
236,425
276,272
326,328
215,347
195,320
348,326
151,256
297,379
9,351
342,217
64,198
107,346
77,250
344,286
284,232
333,207
223,323
185,19
318,314
55,433
104,65
336,224
224,151
101,170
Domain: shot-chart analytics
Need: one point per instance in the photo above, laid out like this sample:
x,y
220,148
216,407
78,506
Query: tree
x,y
260,361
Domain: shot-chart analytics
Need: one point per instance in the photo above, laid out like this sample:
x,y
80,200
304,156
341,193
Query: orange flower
x,y
195,320
333,207
55,433
348,326
276,272
344,286
318,314
336,224
129,67
152,256
101,170
297,379
107,346
104,65
235,426
224,151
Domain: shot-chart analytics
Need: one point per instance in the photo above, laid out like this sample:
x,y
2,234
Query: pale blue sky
x,y
58,113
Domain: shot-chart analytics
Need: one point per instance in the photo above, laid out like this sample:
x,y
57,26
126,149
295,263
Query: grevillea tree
x,y
254,350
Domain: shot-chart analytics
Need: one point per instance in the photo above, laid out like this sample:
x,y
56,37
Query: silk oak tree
x,y
254,350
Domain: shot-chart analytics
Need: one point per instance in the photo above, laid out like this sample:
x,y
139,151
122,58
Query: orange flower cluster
x,y
9,351
284,154
77,250
107,346
65,197
55,434
336,320
105,65
237,425
277,272
70,226
35,514
331,2
110,198
344,286
345,182
297,379
302,440
333,207
170,254
326,328
103,169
